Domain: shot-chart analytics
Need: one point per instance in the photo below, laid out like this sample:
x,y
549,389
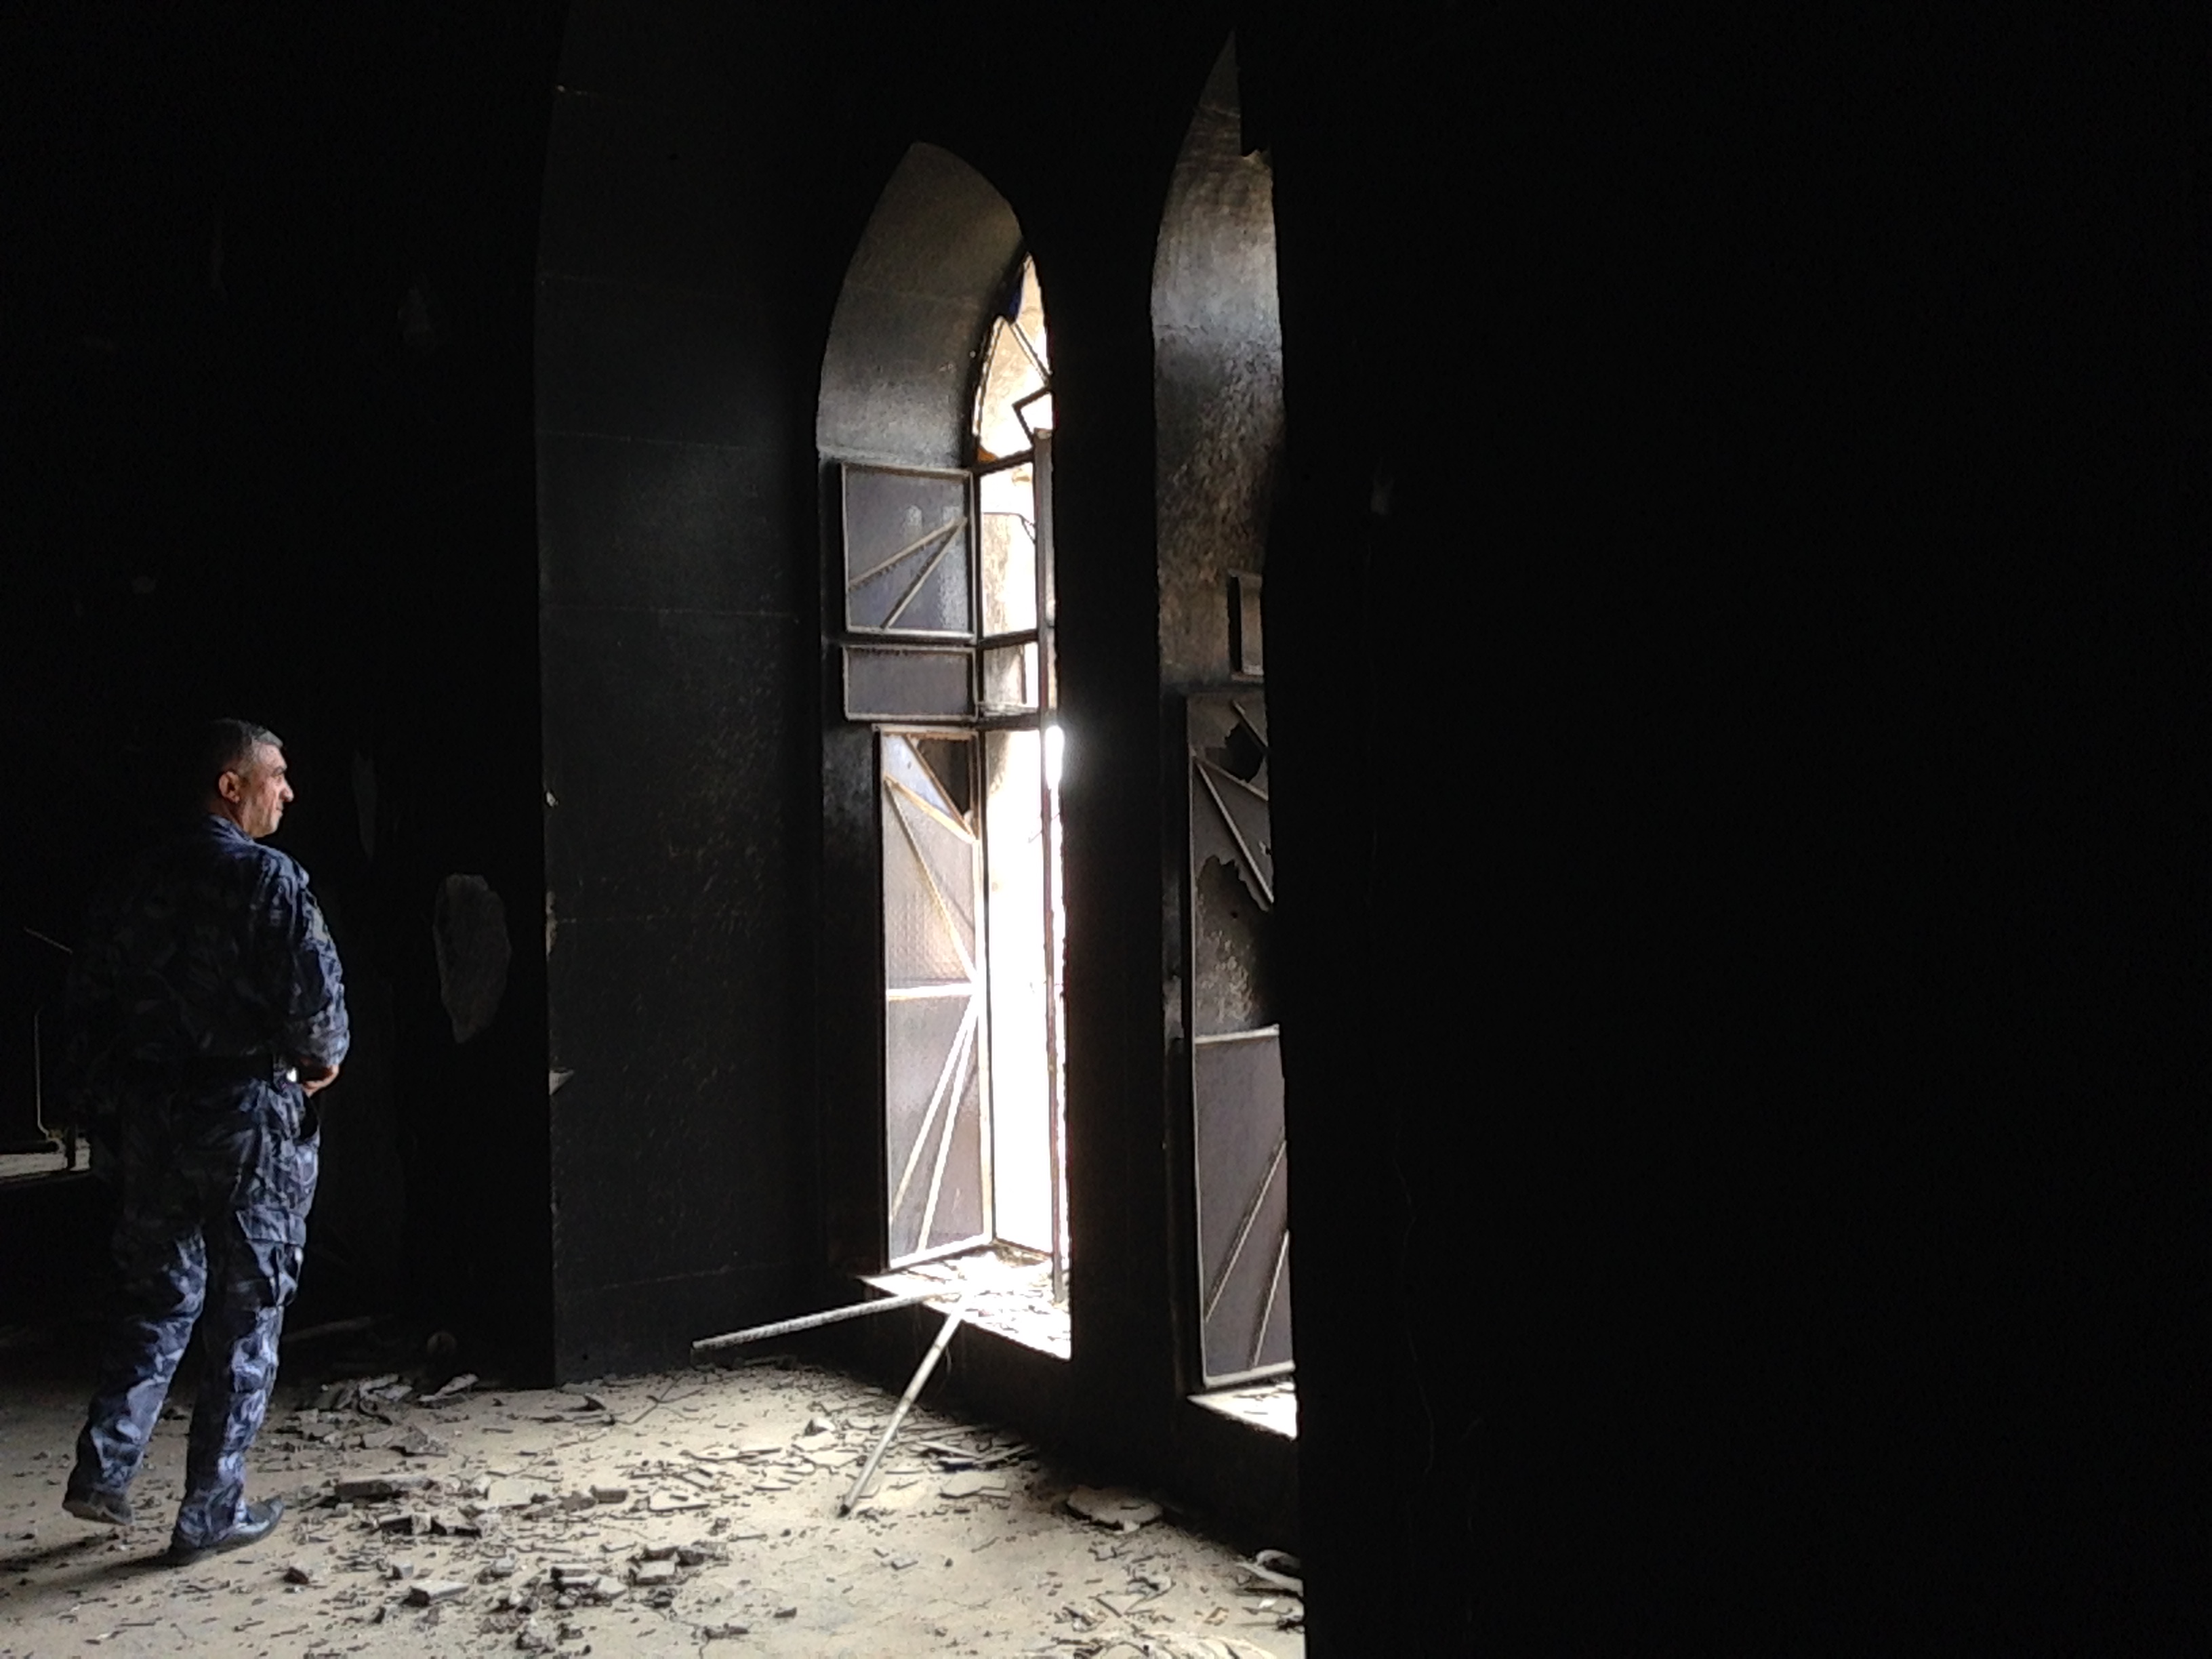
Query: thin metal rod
x,y
1256,1033
906,1401
1274,1290
944,911
1056,1147
1258,736
937,1097
965,1052
1055,1104
1251,863
1226,776
907,552
1036,362
914,587
810,1322
937,814
1245,1224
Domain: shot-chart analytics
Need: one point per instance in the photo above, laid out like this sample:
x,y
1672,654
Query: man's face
x,y
254,795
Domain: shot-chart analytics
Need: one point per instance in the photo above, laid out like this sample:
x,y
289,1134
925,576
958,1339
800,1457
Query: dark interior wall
x,y
265,311
1746,1041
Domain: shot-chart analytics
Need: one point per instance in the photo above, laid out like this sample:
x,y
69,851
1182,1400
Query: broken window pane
x,y
1017,366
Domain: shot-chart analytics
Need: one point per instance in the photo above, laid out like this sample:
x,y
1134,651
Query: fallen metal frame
x,y
810,1322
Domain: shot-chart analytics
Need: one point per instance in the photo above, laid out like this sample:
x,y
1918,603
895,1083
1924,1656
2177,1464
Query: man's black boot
x,y
92,1504
258,1522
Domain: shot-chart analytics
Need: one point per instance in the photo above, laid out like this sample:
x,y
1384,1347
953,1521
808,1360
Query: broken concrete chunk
x,y
604,1494
975,1484
1113,1507
699,1554
500,1566
302,1572
668,1502
459,1385
646,1573
378,1488
425,1591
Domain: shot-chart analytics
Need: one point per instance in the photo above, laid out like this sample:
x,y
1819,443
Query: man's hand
x,y
313,1078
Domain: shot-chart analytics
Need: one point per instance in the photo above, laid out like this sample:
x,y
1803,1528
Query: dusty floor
x,y
692,1513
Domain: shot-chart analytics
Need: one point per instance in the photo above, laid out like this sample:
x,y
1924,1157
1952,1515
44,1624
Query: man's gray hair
x,y
228,746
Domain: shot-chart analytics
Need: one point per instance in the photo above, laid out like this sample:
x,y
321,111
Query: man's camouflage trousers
x,y
216,1189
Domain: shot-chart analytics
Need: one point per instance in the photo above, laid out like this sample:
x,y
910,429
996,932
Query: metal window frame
x,y
965,530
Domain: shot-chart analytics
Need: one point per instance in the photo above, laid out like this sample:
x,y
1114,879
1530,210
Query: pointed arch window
x,y
946,652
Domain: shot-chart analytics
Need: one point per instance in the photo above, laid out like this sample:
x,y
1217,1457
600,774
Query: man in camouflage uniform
x,y
207,1009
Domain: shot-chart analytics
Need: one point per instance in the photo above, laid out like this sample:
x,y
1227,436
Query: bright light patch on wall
x,y
1054,741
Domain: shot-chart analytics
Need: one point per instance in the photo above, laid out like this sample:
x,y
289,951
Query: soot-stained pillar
x,y
677,554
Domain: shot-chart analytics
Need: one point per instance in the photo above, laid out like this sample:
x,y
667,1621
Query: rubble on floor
x,y
670,1514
